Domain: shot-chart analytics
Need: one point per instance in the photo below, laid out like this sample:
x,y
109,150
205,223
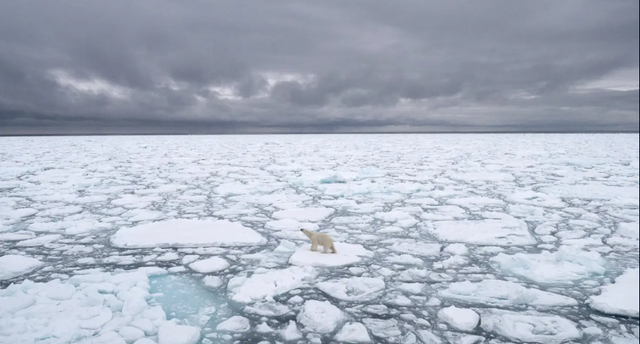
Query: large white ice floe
x,y
266,285
353,288
621,297
503,232
530,327
97,308
462,319
564,266
209,265
347,254
320,316
12,265
185,233
503,294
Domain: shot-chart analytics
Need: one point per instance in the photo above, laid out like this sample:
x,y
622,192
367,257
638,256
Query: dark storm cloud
x,y
234,66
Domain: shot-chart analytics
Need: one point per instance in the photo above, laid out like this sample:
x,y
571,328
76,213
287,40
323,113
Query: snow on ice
x,y
185,233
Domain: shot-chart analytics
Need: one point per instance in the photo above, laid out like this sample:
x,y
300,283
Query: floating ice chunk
x,y
405,259
503,294
483,176
592,191
212,281
347,254
619,298
457,249
12,266
183,232
169,256
269,284
415,248
353,289
304,214
291,332
209,265
535,198
146,216
263,328
427,337
320,316
130,334
382,328
475,203
507,232
392,216
399,300
234,324
412,288
353,332
268,309
39,241
170,333
285,246
290,229
16,236
529,327
564,266
461,319
61,211
629,230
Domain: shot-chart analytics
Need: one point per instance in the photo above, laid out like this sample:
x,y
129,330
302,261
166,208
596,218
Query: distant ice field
x,y
470,238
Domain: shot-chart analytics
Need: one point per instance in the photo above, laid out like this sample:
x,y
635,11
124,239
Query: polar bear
x,y
321,239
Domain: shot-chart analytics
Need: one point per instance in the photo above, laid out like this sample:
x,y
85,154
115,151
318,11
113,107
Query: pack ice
x,y
471,239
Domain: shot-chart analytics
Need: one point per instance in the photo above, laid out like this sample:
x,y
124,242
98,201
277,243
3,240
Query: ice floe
x,y
621,297
530,327
505,232
12,265
503,294
269,284
347,254
354,288
564,266
185,233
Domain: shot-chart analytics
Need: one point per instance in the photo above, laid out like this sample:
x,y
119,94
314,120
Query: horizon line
x,y
342,133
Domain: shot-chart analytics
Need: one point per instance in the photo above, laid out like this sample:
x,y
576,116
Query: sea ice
x,y
347,254
291,332
529,327
12,265
415,248
353,289
39,241
209,265
304,214
171,333
234,324
382,328
184,233
353,332
461,319
564,266
619,298
320,316
503,294
505,232
271,283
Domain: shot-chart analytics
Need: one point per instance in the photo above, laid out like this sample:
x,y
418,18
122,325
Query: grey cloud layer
x,y
368,65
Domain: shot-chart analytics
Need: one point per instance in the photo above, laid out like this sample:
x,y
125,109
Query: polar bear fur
x,y
321,239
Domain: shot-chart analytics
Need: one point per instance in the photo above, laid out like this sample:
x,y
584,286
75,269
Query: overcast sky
x,y
158,66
